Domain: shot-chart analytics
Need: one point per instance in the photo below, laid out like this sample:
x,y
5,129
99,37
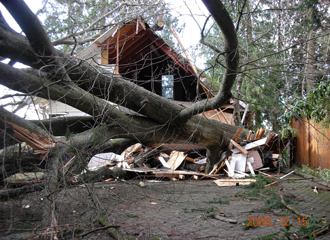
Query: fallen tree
x,y
57,76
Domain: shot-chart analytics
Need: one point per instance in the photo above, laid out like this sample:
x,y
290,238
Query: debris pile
x,y
243,157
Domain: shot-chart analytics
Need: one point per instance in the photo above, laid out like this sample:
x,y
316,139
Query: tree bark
x,y
237,113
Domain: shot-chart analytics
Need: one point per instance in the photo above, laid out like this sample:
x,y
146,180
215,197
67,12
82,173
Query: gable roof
x,y
137,38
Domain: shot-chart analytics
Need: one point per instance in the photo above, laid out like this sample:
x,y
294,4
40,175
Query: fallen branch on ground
x,y
10,193
112,231
229,220
289,207
98,229
316,232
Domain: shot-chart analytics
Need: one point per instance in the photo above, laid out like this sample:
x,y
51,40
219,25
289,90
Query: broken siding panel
x,y
91,55
58,108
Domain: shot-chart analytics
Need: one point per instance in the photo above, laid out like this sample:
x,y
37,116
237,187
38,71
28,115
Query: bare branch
x,y
222,18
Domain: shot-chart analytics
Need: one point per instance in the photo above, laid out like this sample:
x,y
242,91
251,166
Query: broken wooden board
x,y
233,182
238,134
259,133
256,162
140,170
189,159
269,137
276,156
249,135
163,162
132,149
251,145
167,175
240,148
170,173
21,179
176,158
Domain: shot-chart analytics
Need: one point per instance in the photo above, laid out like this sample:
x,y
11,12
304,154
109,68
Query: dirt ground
x,y
162,209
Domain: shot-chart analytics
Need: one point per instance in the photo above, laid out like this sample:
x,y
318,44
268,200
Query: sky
x,y
189,37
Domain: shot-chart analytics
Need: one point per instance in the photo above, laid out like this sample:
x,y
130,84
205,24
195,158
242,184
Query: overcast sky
x,y
189,37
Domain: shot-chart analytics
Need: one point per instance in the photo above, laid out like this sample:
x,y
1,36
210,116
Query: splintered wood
x,y
41,144
176,158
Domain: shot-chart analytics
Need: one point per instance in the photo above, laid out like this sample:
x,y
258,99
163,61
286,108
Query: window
x,y
167,86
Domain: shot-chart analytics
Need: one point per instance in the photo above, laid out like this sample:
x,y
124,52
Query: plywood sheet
x,y
233,182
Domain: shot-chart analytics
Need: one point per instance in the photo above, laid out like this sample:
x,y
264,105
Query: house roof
x,y
137,38
133,40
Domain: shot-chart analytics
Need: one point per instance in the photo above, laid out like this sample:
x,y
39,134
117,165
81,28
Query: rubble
x,y
242,159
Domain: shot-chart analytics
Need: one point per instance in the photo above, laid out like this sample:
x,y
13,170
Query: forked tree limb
x,y
295,211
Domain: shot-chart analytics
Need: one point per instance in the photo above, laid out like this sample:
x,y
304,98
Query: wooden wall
x,y
312,144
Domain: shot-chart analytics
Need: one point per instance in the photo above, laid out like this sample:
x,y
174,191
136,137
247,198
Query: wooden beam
x,y
238,134
240,148
184,51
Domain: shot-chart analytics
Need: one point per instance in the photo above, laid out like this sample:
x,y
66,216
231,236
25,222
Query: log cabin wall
x,y
312,144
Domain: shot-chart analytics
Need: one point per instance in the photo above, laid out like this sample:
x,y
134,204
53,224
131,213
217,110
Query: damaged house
x,y
135,52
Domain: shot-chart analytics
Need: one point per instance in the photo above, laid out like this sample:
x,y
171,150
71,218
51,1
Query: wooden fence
x,y
312,144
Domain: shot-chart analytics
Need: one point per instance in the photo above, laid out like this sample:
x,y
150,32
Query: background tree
x,y
279,61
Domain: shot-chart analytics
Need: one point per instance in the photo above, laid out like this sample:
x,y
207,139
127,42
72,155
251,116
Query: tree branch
x,y
36,35
63,40
222,18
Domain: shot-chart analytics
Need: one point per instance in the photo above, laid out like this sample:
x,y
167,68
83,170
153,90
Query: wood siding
x,y
312,144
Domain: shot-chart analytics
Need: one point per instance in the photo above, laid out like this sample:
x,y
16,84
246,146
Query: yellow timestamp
x,y
261,221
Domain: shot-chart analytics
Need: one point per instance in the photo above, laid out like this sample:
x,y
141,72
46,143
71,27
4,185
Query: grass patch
x,y
219,200
78,229
274,235
299,231
274,202
192,210
254,194
247,227
318,172
211,211
157,238
260,182
313,224
283,213
130,215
